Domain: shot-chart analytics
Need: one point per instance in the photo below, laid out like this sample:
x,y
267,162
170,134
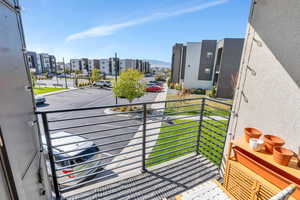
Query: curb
x,y
58,92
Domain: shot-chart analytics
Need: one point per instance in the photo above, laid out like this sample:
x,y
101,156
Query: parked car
x,y
103,84
148,75
76,157
156,83
64,75
108,84
153,88
100,84
39,100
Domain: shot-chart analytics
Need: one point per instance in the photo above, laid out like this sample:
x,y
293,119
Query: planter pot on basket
x,y
272,141
282,155
251,133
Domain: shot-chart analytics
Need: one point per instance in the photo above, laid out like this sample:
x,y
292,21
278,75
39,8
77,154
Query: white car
x,y
39,100
100,84
76,164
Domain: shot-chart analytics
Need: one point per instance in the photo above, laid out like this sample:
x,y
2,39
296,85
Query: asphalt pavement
x,y
101,126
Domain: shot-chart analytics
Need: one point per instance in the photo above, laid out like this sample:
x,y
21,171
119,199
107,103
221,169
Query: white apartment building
x,y
104,66
75,64
199,64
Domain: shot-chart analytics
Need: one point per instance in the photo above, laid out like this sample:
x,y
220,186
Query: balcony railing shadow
x,y
165,182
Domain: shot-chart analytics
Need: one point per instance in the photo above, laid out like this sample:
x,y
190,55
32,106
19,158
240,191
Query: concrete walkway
x,y
136,150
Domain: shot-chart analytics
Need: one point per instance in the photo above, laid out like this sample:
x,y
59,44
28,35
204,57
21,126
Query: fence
x,y
90,145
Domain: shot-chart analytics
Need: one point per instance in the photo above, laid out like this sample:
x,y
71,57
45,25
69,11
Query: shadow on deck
x,y
165,182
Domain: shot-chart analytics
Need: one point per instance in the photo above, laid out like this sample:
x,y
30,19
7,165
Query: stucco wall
x,y
268,95
193,51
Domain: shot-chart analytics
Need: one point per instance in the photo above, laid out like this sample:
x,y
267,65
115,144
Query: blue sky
x,y
134,28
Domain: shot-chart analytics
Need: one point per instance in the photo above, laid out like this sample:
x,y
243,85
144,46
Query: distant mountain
x,y
159,63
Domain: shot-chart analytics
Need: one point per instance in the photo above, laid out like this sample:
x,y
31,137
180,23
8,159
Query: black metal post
x,y
200,126
144,136
116,72
65,73
50,153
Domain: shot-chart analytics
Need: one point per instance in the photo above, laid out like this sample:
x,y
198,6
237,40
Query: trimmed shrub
x,y
198,91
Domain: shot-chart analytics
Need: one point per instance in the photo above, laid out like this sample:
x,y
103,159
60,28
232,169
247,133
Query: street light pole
x,y
56,75
116,71
65,73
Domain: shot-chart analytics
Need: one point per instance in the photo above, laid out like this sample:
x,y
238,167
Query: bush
x,y
213,92
198,91
178,86
160,77
172,86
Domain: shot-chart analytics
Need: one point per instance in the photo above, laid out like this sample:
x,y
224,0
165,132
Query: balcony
x,y
154,151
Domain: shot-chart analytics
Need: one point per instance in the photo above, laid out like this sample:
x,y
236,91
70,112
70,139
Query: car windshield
x,y
90,150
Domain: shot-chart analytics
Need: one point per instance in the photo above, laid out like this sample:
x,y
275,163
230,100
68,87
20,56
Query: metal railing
x,y
95,144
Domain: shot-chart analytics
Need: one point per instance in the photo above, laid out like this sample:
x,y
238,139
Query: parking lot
x,y
93,97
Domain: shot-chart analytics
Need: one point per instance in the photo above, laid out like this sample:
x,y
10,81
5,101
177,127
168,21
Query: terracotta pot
x,y
251,133
282,155
272,141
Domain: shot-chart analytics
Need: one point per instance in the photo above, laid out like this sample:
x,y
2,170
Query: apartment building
x,y
60,67
75,64
227,64
41,63
206,64
199,65
104,66
178,62
193,64
52,60
107,66
32,61
85,65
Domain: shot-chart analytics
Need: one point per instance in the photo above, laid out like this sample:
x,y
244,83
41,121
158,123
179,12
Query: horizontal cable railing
x,y
90,145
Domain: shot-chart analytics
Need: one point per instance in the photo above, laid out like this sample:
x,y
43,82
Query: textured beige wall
x,y
267,94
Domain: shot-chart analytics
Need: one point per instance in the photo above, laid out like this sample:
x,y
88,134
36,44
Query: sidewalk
x,y
136,139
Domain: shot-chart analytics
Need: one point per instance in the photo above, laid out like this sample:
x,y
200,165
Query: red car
x,y
153,88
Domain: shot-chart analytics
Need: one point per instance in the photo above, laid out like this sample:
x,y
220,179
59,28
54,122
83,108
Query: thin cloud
x,y
105,30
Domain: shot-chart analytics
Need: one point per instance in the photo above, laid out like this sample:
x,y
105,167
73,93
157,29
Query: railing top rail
x,y
132,104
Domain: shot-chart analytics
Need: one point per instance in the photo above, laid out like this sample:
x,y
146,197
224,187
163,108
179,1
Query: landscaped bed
x,y
212,137
43,90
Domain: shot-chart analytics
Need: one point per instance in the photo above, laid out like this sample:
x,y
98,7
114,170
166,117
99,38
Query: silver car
x,y
39,100
80,159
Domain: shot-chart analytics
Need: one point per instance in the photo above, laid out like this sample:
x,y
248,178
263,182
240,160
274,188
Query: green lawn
x,y
193,107
169,135
43,90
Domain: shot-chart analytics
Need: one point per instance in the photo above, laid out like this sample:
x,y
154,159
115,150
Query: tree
x,y
67,71
129,85
96,75
77,72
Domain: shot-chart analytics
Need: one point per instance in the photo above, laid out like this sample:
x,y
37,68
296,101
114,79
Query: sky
x,y
145,29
